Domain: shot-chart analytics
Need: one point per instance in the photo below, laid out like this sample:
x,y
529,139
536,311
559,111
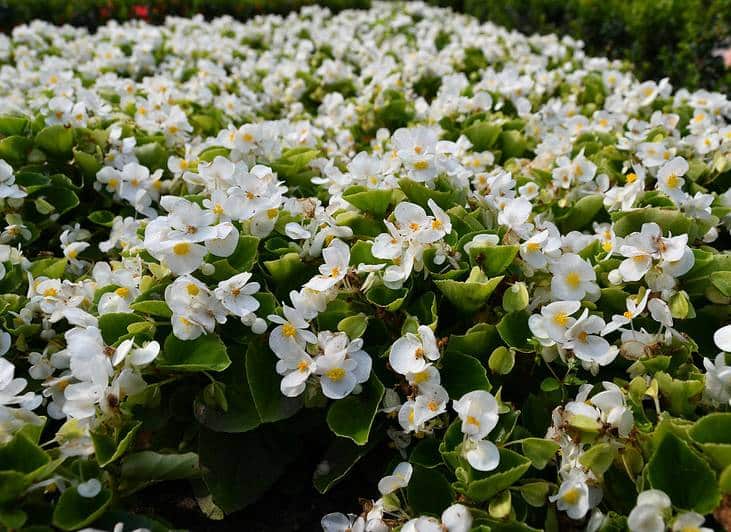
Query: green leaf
x,y
353,416
539,451
462,373
713,434
670,221
536,493
429,492
72,511
341,456
514,330
390,299
205,353
687,479
12,485
493,260
375,202
111,447
482,135
15,149
354,326
470,295
12,518
152,155
114,325
483,486
152,307
264,381
56,141
89,164
581,214
598,458
722,282
420,194
239,468
501,505
51,267
241,415
13,125
103,218
147,467
512,144
426,453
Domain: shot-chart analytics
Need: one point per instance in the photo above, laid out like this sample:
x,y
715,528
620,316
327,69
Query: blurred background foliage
x,y
673,38
662,38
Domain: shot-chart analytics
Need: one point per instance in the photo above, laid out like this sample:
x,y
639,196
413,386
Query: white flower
x,y
553,322
399,479
413,352
573,278
690,522
648,515
236,294
614,411
587,345
457,518
11,387
8,188
337,260
337,522
478,411
573,495
291,335
482,455
718,380
722,338
670,180
635,307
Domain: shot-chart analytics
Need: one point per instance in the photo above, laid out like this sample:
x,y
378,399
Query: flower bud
x,y
516,297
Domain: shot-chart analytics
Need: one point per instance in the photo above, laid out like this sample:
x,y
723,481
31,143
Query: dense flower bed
x,y
498,258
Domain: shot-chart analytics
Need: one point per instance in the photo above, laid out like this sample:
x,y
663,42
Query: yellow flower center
x,y
289,330
218,209
672,181
573,280
582,336
432,405
50,292
533,247
122,291
627,314
631,177
421,165
419,353
181,248
571,496
561,318
335,374
420,377
472,420
192,289
303,366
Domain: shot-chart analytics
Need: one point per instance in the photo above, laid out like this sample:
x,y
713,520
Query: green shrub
x,y
673,38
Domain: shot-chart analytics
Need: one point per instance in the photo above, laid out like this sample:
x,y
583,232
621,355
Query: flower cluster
x,y
395,236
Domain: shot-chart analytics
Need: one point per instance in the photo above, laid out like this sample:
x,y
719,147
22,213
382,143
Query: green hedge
x,y
673,38
92,13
